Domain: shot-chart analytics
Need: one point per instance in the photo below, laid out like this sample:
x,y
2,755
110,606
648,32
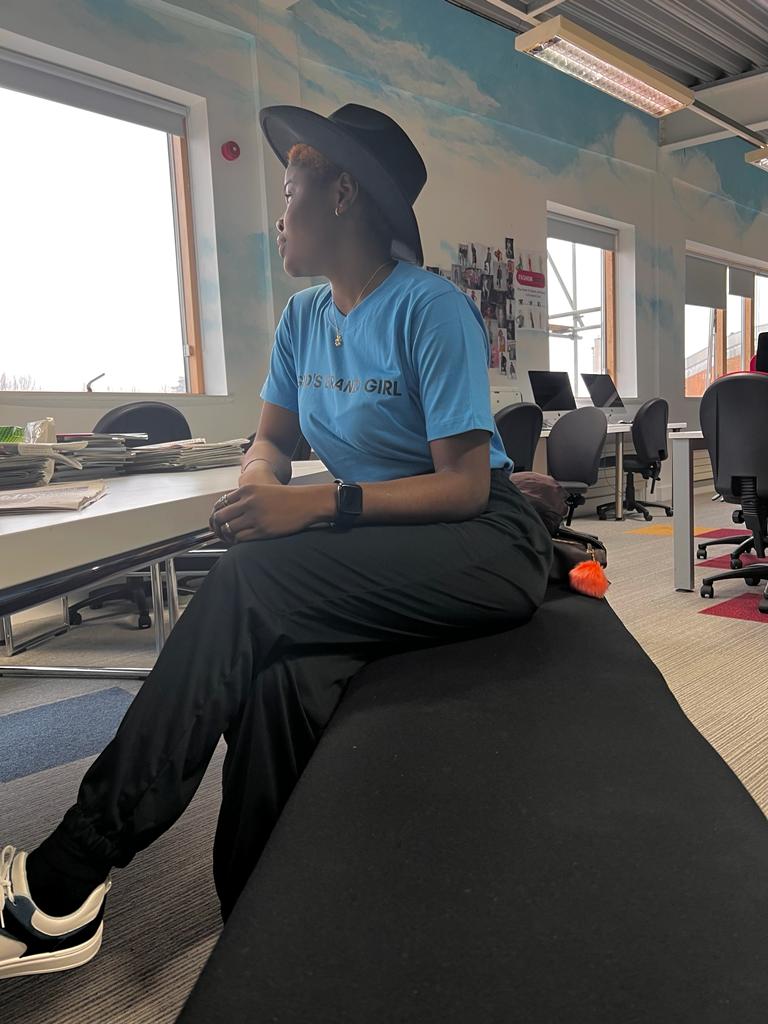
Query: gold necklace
x,y
337,341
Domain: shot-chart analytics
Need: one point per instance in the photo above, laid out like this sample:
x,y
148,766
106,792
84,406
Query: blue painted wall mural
x,y
502,137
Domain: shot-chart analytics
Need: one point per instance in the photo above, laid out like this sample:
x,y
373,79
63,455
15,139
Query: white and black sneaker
x,y
33,942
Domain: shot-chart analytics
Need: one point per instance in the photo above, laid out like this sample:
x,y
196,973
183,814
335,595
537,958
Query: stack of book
x,y
195,453
103,455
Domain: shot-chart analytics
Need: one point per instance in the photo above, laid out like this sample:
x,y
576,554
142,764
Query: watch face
x,y
350,499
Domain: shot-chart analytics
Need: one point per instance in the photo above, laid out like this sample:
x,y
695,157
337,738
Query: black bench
x,y
517,828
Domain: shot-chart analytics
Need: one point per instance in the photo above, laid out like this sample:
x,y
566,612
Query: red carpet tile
x,y
742,607
727,532
724,562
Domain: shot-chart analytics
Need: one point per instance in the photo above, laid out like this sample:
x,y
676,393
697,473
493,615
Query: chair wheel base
x,y
145,622
751,581
736,563
75,619
707,590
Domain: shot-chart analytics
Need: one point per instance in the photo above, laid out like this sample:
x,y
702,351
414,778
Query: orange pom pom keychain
x,y
589,577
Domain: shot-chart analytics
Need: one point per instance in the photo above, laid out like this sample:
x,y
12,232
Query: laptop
x,y
604,396
552,392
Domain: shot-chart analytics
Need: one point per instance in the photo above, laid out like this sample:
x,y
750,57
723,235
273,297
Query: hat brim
x,y
285,126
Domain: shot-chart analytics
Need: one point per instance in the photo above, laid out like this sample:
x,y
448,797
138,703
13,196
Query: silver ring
x,y
224,499
227,533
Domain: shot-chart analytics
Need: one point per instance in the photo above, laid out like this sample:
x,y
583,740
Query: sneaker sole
x,y
47,963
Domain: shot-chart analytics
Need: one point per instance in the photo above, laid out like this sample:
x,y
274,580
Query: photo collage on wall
x,y
487,276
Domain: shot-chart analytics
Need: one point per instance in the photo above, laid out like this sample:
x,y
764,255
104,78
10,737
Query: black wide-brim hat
x,y
373,148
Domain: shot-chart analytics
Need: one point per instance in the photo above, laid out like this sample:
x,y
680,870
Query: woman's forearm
x,y
265,456
446,496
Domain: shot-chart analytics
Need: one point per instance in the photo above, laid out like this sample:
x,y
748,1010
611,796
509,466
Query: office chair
x,y
759,361
519,427
734,420
746,542
573,453
160,422
649,436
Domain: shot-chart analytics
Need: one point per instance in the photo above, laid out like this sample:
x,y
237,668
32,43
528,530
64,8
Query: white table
x,y
136,511
682,500
618,431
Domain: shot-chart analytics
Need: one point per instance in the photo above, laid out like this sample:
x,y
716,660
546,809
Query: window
x,y
719,311
760,307
700,345
96,256
580,258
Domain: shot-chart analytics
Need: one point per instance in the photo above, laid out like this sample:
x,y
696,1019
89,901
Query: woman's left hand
x,y
260,511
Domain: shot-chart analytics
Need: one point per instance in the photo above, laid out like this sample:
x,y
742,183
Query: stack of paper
x,y
24,471
29,465
56,498
103,455
195,453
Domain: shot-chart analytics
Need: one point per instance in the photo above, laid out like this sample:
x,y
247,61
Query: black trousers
x,y
262,655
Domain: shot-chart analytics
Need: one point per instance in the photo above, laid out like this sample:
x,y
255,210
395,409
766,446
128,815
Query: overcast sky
x,y
88,280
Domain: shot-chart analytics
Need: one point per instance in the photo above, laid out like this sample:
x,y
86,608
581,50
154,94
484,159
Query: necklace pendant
x,y
337,340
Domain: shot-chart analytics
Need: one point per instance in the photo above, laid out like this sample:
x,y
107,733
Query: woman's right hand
x,y
256,472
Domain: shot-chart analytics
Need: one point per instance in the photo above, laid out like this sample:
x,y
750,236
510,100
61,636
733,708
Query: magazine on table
x,y
52,497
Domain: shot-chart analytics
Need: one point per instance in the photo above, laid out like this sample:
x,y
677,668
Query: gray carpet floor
x,y
162,916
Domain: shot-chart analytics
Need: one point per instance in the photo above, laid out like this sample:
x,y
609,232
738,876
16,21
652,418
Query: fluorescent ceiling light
x,y
758,158
572,49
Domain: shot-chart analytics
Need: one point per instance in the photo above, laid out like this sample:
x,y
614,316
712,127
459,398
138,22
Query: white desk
x,y
618,431
682,501
137,511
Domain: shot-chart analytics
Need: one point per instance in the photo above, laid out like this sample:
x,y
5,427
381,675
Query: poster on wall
x,y
486,275
530,288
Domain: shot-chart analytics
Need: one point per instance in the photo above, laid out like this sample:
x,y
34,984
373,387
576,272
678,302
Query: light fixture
x,y
758,157
570,48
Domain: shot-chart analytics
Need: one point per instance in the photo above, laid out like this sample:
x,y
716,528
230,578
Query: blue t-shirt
x,y
412,367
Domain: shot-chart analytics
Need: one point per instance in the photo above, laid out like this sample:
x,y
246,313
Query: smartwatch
x,y
349,503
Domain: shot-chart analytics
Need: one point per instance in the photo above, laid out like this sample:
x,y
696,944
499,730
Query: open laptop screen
x,y
602,391
551,390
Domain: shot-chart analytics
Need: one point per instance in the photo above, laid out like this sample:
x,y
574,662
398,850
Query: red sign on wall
x,y
530,279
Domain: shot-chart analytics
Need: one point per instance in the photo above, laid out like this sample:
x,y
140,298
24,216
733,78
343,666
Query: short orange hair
x,y
302,155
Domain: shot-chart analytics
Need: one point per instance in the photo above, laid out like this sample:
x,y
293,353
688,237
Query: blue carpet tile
x,y
55,734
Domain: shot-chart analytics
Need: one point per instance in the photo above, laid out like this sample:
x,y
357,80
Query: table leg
x,y
157,605
173,592
59,672
619,488
682,502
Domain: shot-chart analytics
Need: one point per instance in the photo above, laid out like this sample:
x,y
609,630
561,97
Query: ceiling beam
x,y
537,7
741,100
518,10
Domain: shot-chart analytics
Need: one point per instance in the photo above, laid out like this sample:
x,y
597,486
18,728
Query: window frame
x,y
189,292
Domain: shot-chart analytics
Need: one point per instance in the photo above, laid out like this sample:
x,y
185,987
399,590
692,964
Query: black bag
x,y
570,547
